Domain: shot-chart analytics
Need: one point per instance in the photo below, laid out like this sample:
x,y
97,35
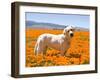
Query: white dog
x,y
59,42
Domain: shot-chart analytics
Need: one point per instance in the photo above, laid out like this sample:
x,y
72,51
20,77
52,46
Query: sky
x,y
62,19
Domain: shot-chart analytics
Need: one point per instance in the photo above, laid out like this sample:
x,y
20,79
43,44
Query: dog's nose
x,y
71,34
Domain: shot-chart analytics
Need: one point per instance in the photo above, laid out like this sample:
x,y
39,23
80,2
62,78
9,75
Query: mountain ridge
x,y
42,25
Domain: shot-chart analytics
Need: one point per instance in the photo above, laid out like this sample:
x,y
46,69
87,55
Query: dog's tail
x,y
35,49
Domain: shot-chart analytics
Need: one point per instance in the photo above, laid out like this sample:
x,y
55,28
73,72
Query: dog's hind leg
x,y
35,49
38,49
44,50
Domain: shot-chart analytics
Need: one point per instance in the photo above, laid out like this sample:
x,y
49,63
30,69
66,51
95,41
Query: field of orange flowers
x,y
77,54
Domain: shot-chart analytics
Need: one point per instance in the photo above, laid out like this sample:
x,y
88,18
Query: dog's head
x,y
69,31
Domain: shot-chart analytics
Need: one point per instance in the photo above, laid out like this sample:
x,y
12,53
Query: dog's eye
x,y
71,29
68,31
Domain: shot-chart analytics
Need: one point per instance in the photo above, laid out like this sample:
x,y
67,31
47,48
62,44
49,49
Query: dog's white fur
x,y
59,42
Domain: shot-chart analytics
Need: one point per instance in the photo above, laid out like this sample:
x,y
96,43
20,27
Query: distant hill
x,y
30,23
33,24
81,29
41,25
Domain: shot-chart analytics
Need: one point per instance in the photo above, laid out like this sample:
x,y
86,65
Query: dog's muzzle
x,y
71,35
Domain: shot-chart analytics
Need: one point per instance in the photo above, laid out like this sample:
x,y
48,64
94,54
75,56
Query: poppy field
x,y
77,54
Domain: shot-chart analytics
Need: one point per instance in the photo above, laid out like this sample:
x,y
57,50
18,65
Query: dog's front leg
x,y
62,51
